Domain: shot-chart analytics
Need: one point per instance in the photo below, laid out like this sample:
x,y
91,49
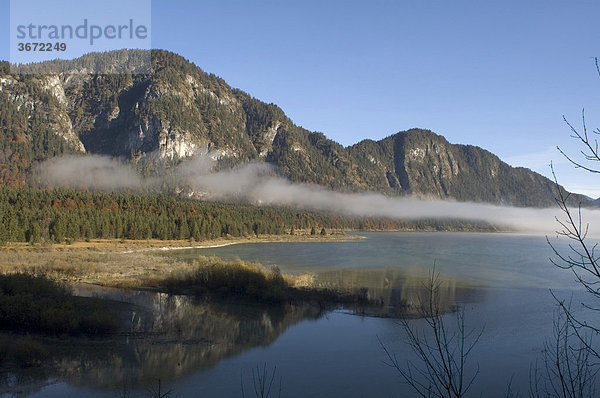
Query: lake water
x,y
200,349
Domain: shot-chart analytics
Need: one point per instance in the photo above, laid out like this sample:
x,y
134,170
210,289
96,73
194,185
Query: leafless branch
x,y
590,152
441,369
567,369
581,259
262,381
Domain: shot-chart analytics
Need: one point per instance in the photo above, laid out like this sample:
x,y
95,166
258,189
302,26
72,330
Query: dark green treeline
x,y
33,215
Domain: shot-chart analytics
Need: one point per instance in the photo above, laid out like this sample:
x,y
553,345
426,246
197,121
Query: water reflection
x,y
164,337
167,337
400,291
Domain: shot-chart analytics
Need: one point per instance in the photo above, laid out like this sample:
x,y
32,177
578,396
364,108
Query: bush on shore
x,y
213,276
249,281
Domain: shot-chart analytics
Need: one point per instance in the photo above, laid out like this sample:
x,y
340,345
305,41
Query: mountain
x,y
177,111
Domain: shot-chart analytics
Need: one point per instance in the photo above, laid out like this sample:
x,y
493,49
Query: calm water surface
x,y
203,349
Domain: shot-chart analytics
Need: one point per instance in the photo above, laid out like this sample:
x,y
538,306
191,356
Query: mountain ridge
x,y
177,111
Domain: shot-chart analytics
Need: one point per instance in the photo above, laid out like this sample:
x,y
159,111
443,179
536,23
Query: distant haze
x,y
259,184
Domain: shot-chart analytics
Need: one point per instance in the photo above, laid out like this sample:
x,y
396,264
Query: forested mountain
x,y
177,111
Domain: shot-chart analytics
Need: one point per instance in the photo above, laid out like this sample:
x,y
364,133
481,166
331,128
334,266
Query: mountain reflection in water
x,y
164,337
167,336
401,291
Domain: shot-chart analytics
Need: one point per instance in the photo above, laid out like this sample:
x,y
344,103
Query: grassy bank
x,y
116,263
35,299
213,277
151,244
132,265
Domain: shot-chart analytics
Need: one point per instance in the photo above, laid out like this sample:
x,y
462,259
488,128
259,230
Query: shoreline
x,y
127,246
170,248
124,264
128,264
150,245
211,244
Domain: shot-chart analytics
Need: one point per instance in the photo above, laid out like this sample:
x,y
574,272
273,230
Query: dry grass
x,y
123,264
137,264
205,275
126,244
211,276
107,268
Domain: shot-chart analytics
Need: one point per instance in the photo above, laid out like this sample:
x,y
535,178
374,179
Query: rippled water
x,y
210,350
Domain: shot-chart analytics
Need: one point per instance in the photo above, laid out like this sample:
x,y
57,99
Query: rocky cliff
x,y
177,111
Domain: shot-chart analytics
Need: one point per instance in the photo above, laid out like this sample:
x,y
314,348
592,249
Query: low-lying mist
x,y
258,183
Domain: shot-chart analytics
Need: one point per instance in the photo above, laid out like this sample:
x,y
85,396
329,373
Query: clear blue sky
x,y
496,74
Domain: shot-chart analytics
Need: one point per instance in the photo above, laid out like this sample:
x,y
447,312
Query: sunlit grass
x,y
211,276
227,278
140,269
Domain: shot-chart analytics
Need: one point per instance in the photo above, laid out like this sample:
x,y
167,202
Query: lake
x,y
203,349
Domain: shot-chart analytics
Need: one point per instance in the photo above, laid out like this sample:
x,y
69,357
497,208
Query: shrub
x,y
237,279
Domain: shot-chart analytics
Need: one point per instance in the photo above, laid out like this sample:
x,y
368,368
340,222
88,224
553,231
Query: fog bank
x,y
258,183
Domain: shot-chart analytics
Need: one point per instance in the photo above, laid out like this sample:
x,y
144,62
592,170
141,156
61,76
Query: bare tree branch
x,y
262,381
591,152
441,369
567,369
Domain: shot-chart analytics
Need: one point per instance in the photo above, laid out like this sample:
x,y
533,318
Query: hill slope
x,y
178,111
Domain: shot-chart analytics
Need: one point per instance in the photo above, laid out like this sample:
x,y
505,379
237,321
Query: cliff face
x,y
422,163
427,165
40,100
177,111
